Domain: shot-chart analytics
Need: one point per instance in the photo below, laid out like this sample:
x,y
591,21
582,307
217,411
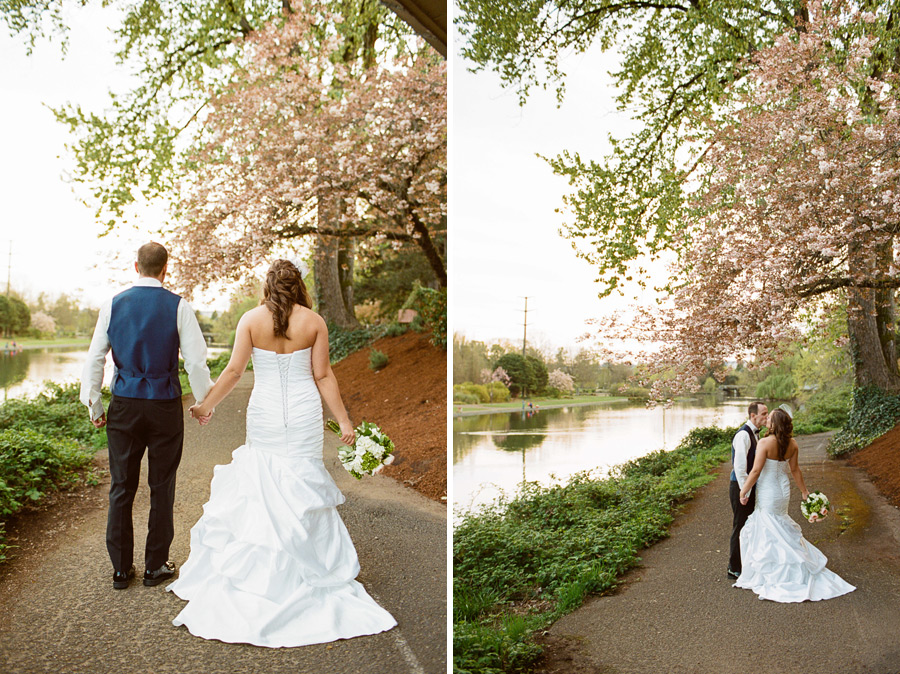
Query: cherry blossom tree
x,y
497,375
798,206
43,322
304,144
561,381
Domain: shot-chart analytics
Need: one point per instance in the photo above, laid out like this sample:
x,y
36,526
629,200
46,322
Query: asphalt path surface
x,y
678,613
65,615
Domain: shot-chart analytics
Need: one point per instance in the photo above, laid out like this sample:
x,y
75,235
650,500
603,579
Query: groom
x,y
144,326
743,452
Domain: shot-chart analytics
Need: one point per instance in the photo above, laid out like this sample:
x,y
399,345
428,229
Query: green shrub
x,y
631,392
31,463
56,412
501,393
828,410
377,359
395,330
872,414
478,391
434,313
217,364
431,305
43,441
464,398
341,343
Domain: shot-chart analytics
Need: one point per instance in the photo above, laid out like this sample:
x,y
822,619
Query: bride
x,y
271,561
778,563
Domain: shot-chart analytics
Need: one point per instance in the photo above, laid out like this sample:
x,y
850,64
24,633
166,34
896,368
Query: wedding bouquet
x,y
371,452
815,507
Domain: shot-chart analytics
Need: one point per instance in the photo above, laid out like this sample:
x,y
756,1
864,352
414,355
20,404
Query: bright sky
x,y
504,233
55,244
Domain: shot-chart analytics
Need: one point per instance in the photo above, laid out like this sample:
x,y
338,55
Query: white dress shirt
x,y
741,445
190,341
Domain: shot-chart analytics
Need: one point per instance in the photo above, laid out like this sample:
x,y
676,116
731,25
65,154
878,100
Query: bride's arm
x,y
231,375
758,462
794,464
327,383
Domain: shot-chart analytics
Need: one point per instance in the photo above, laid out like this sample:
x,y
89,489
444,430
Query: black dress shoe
x,y
734,575
164,572
122,579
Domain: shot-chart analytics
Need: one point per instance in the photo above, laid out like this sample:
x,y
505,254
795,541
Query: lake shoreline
x,y
551,406
67,345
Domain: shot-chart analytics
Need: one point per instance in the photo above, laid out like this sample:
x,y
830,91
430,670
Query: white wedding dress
x,y
271,561
777,562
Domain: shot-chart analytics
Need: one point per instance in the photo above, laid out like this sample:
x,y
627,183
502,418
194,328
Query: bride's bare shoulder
x,y
307,314
257,315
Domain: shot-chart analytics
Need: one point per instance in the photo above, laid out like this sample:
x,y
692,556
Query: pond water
x,y
22,375
496,452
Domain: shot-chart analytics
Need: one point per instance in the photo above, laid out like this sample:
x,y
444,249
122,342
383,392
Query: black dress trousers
x,y
134,424
741,513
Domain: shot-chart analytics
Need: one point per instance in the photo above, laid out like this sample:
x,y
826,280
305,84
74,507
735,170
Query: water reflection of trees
x,y
13,368
515,431
523,431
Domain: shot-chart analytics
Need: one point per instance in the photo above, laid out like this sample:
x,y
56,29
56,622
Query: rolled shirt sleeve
x,y
92,374
741,445
193,350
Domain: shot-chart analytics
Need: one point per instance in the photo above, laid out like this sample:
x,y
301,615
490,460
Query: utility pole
x,y
525,328
524,389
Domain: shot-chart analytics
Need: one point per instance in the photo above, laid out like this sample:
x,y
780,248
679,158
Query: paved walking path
x,y
66,618
679,614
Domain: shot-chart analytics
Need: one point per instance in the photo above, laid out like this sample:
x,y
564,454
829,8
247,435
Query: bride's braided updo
x,y
783,429
284,287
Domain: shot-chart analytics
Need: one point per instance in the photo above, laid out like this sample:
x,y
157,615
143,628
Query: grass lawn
x,y
546,403
31,343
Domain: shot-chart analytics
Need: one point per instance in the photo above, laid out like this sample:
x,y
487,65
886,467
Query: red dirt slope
x,y
881,460
408,400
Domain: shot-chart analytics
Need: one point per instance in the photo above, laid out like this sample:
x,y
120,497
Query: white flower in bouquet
x,y
815,507
370,453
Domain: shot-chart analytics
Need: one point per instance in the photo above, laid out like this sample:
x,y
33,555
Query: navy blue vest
x,y
143,335
751,453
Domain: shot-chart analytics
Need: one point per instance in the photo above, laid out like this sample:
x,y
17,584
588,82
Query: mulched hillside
x,y
408,400
881,460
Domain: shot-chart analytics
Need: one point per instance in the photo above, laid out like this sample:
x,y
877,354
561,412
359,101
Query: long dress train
x,y
271,561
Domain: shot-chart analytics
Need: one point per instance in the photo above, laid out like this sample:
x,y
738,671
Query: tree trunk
x,y
346,261
334,268
872,346
426,243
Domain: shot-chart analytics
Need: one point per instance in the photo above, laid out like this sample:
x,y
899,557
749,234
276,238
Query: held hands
x,y
100,421
745,500
198,413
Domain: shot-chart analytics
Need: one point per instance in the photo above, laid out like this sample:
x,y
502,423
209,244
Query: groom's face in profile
x,y
761,418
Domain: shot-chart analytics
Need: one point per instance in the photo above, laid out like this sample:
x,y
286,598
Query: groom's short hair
x,y
753,408
151,258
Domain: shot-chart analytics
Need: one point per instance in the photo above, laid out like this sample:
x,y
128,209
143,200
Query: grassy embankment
x,y
520,564
545,403
32,343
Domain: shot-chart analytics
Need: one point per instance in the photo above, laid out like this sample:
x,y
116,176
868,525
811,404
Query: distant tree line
x,y
537,370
